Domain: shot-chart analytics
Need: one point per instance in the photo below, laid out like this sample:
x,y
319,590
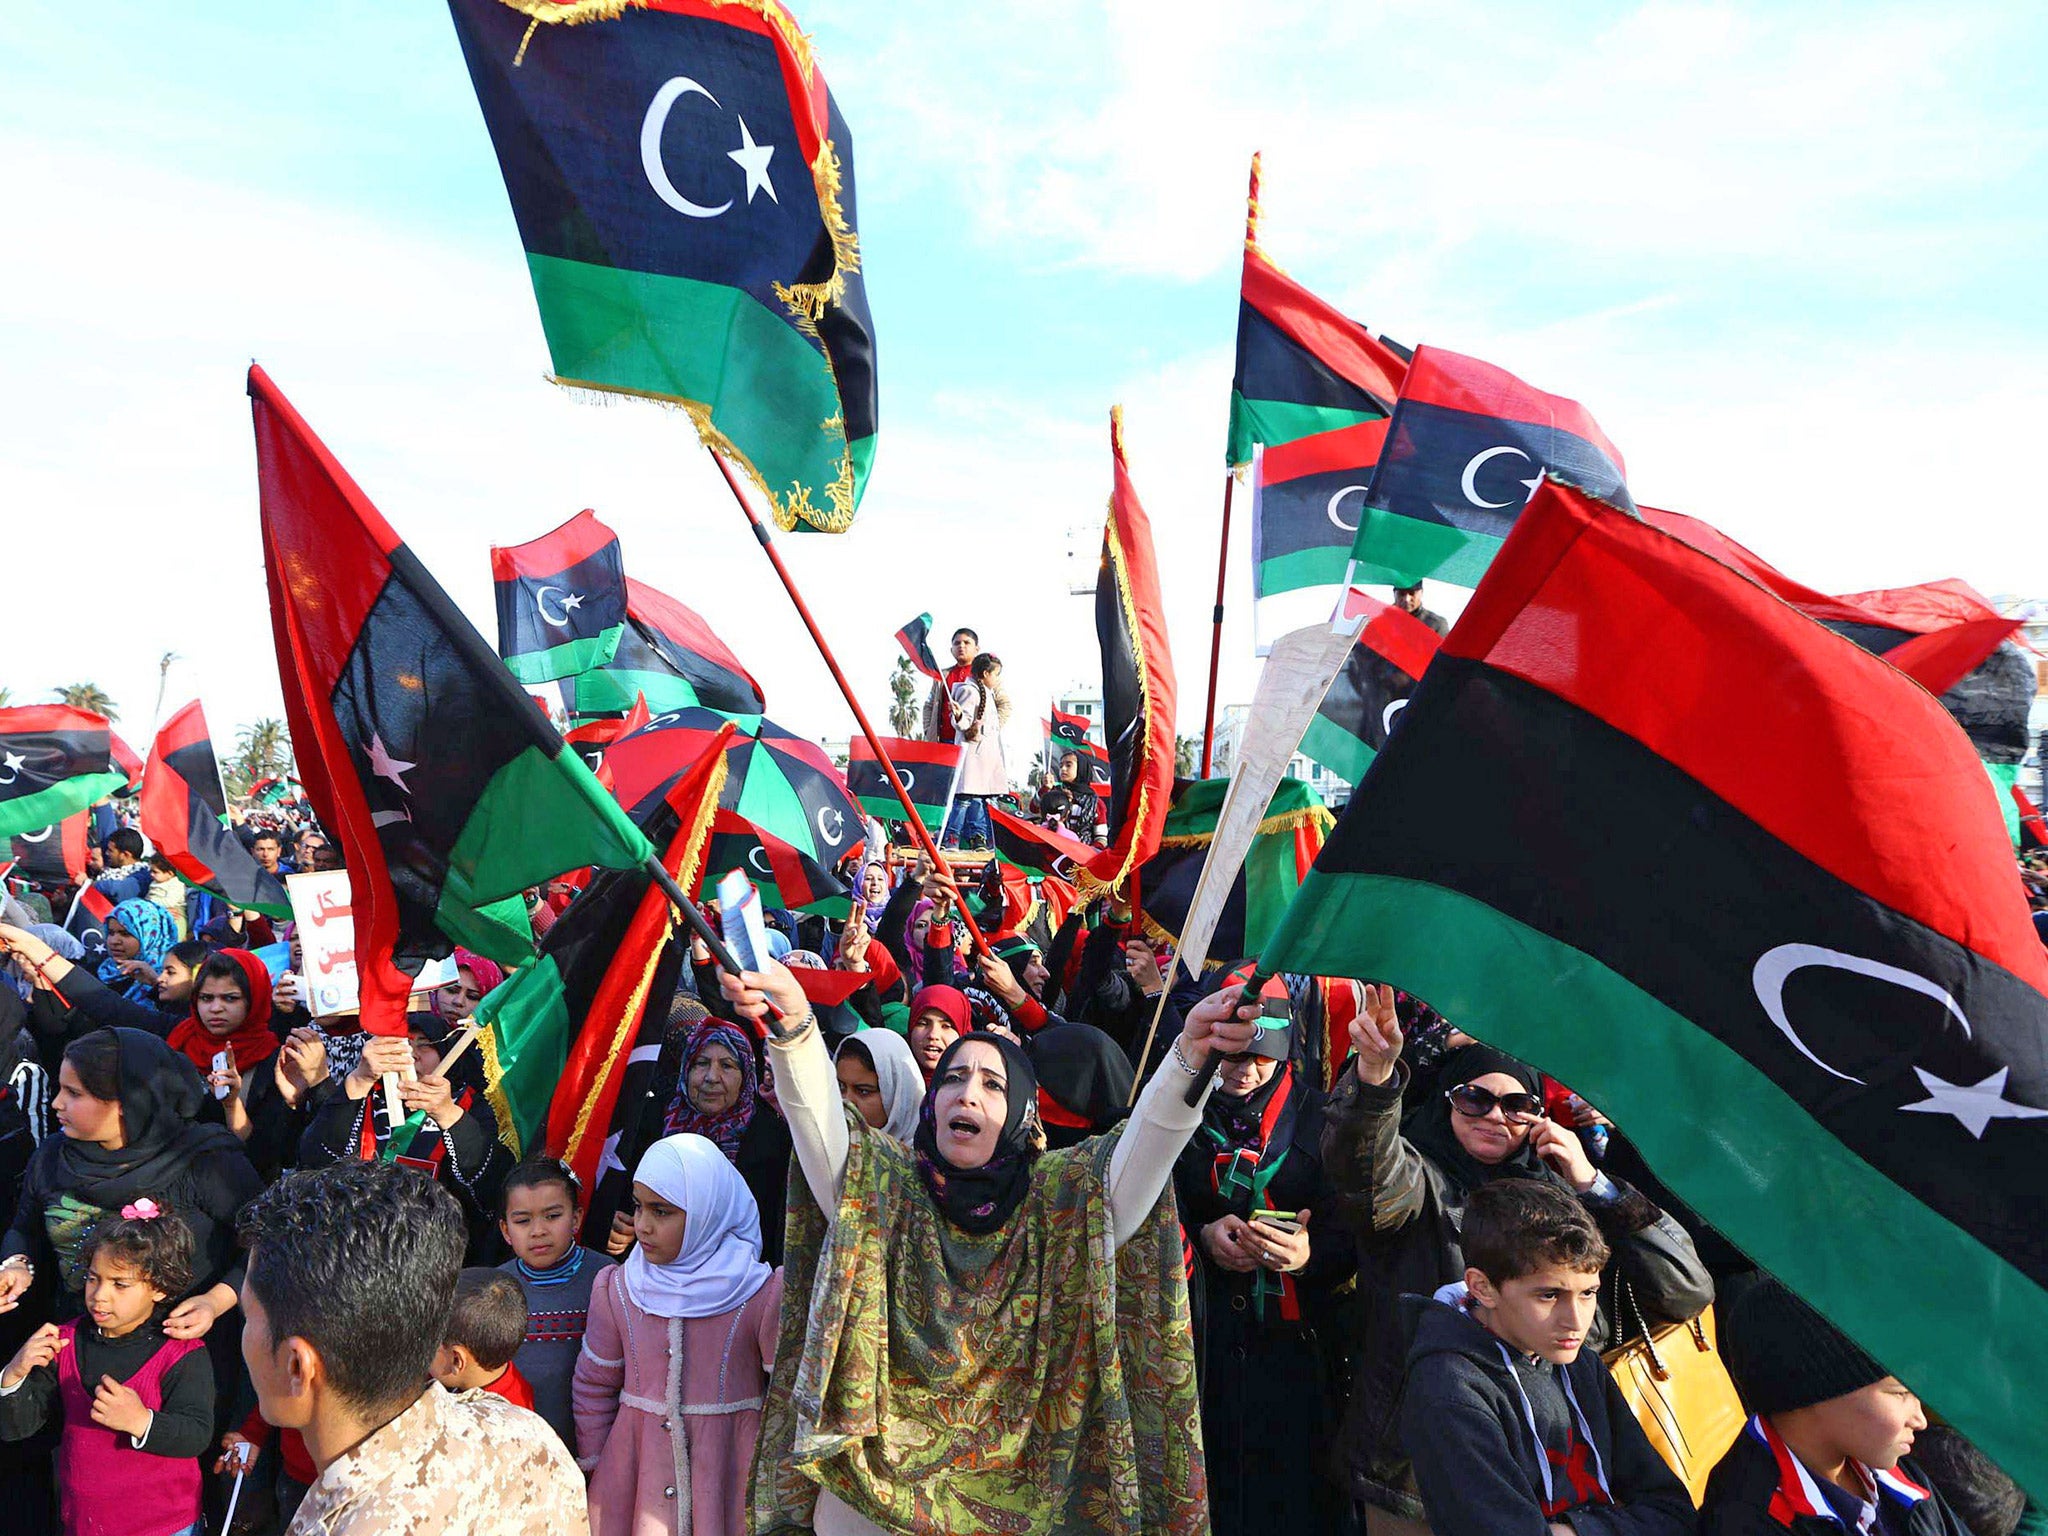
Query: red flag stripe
x,y
1340,344
556,550
1353,447
1456,382
1585,558
1400,637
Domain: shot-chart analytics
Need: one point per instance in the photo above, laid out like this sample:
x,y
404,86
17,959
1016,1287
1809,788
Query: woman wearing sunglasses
x,y
1403,1172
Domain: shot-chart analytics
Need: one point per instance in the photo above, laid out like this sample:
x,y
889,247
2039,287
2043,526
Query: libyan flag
x,y
1465,450
561,600
668,656
683,186
928,770
590,984
448,788
1282,850
54,760
1302,367
1743,886
184,815
1371,688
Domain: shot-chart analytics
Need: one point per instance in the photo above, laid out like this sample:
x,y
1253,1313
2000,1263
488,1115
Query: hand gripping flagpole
x,y
917,826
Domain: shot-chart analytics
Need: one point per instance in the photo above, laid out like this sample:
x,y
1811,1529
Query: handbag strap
x,y
1625,1293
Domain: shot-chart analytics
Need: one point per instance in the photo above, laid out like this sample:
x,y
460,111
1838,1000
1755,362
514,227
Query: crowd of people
x,y
961,1253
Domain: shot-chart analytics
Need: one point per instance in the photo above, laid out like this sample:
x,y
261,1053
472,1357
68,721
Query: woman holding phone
x,y
1268,1335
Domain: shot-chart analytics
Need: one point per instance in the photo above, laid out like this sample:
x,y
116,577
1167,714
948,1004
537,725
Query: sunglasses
x,y
1476,1102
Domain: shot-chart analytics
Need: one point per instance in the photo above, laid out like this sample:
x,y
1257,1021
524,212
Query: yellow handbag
x,y
1675,1384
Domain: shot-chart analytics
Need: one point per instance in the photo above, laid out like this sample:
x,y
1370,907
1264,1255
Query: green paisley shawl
x,y
1022,1382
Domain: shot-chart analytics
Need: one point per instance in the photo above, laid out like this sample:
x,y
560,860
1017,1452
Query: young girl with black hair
x,y
136,1405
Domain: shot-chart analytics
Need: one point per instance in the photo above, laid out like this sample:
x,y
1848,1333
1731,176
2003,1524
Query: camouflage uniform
x,y
464,1465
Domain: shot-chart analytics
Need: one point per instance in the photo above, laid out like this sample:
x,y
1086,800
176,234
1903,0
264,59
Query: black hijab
x,y
1085,1075
1429,1130
981,1200
161,1096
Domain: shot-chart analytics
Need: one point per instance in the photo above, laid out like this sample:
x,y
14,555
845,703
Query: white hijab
x,y
896,1071
720,1265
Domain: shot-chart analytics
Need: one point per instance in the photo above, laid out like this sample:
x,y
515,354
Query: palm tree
x,y
261,749
163,677
904,717
90,697
5,695
1187,755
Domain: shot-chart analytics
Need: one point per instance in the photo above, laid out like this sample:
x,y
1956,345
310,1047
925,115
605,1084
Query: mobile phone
x,y
1285,1221
222,1060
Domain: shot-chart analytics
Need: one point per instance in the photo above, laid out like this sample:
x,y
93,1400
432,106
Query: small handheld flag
x,y
184,812
916,640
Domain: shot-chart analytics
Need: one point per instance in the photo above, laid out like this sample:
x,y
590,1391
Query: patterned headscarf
x,y
727,1126
155,933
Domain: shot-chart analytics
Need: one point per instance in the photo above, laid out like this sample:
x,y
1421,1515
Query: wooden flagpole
x,y
1216,626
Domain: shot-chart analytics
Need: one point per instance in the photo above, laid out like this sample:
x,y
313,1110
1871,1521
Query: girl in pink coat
x,y
668,1388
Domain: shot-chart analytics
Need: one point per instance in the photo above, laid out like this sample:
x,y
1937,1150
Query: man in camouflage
x,y
351,1279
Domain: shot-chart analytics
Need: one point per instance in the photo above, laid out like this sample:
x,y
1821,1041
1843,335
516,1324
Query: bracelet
x,y
790,1035
1181,1060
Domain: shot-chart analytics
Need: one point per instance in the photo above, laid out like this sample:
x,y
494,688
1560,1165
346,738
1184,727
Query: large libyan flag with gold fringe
x,y
683,185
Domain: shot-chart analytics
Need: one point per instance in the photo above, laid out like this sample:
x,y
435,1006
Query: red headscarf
x,y
252,1042
950,1001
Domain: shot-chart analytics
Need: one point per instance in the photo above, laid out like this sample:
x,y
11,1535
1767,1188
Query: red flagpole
x,y
1216,626
803,610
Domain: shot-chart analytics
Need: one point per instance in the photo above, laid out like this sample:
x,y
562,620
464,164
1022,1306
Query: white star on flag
x,y
385,766
1975,1105
753,159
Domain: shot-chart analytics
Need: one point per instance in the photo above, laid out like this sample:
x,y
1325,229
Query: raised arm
x,y
806,1085
1163,1120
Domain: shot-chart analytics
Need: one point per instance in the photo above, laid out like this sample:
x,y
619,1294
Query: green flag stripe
x,y
767,388
1273,422
565,660
525,1049
47,807
1402,550
887,808
536,818
1769,1177
2003,777
611,688
1323,567
1336,749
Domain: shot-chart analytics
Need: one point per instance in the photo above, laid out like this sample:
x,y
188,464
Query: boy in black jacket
x,y
1826,1453
1515,1429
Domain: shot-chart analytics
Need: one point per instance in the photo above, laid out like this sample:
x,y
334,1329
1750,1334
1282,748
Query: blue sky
x,y
1788,255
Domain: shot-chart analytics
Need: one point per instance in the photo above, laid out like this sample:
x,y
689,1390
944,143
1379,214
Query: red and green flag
x,y
184,815
683,186
1744,886
787,878
55,760
1302,367
1371,689
561,600
448,788
1307,497
1284,847
667,655
916,640
619,968
1465,451
928,770
591,973
52,855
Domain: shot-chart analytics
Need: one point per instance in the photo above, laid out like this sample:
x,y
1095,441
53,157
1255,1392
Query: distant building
x,y
1230,721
